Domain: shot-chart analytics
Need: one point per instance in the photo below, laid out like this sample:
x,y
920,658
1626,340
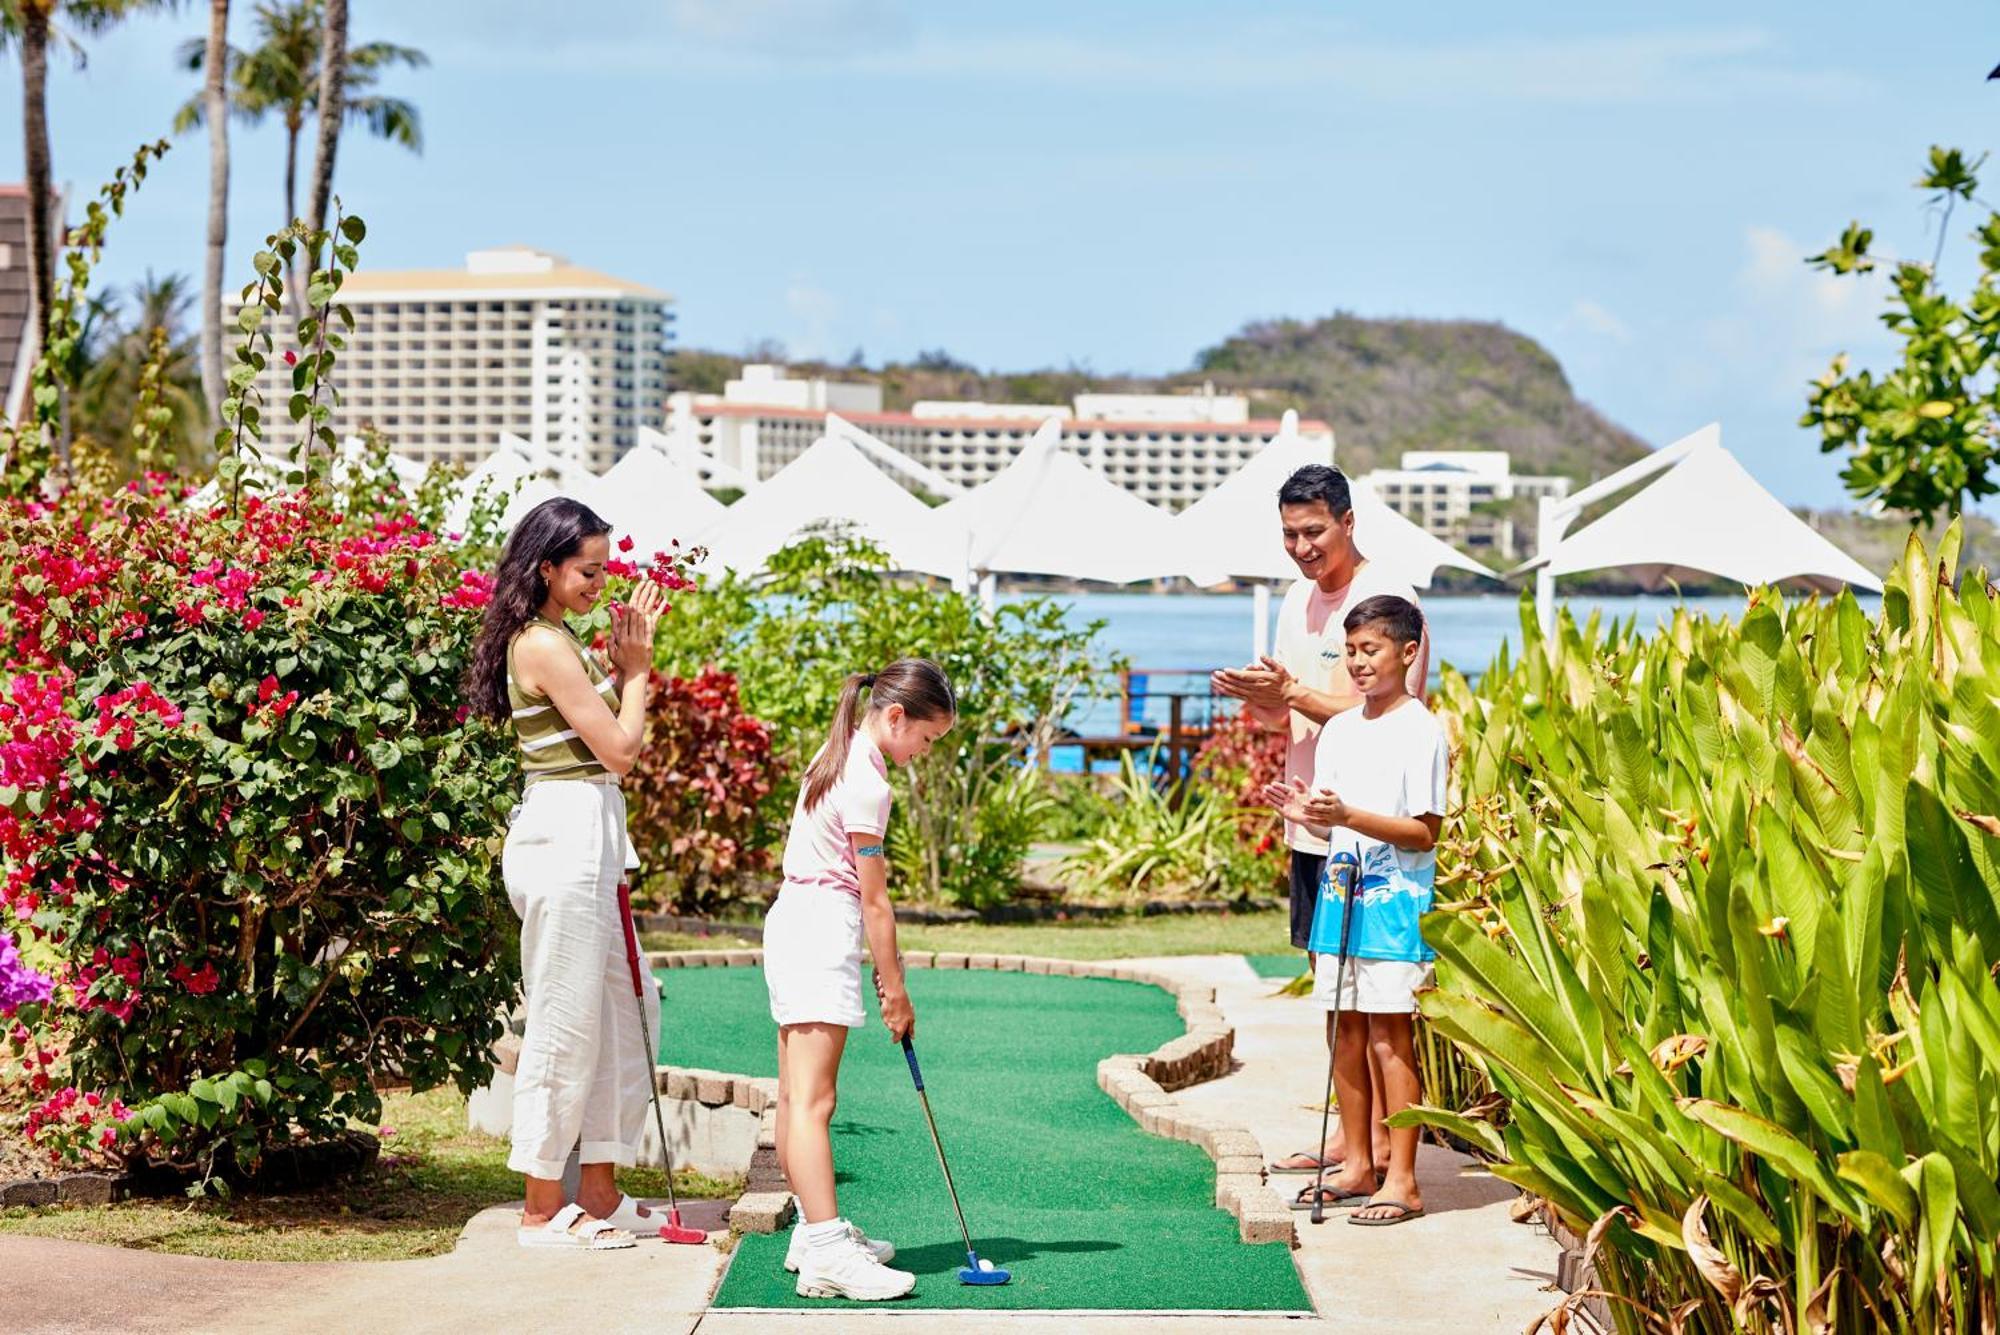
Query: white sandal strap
x,y
562,1220
595,1227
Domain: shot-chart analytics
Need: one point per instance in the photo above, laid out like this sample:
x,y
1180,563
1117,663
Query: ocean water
x,y
1179,638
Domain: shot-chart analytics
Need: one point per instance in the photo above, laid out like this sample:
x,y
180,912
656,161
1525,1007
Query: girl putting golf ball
x,y
834,906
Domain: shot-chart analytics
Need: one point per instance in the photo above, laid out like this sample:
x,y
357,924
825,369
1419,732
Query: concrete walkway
x,y
1464,1267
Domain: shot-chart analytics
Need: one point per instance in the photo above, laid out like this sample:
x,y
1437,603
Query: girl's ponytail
x,y
831,762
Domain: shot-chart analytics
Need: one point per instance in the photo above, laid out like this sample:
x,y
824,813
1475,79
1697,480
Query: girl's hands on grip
x,y
898,1016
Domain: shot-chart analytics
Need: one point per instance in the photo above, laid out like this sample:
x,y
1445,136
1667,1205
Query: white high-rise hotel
x,y
443,361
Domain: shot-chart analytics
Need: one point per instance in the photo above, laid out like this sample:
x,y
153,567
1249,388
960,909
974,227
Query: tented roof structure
x,y
539,472
832,482
1049,513
1233,528
1704,515
653,500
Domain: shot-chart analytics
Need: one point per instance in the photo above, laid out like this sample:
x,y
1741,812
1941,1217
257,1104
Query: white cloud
x,y
814,28
1794,318
1592,318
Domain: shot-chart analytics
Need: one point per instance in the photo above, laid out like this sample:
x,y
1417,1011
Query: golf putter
x,y
673,1230
1350,871
975,1271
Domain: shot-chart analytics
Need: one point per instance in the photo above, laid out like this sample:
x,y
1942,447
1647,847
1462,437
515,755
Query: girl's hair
x,y
917,684
553,531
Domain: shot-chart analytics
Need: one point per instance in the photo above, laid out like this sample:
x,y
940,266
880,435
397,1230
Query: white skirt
x,y
812,957
1371,987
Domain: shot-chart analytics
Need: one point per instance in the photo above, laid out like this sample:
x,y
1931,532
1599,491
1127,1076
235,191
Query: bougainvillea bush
x,y
240,806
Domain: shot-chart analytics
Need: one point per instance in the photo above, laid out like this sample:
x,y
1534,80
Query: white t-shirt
x,y
1312,644
817,851
1395,765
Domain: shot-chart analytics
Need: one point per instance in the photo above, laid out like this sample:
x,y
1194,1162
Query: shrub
x,y
693,799
1728,913
1156,842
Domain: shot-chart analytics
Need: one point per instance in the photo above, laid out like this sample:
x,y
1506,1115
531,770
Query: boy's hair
x,y
917,684
1318,482
1398,616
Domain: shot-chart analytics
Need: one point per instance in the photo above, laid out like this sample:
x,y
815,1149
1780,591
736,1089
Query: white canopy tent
x,y
540,474
1049,513
833,481
1704,515
1233,529
653,499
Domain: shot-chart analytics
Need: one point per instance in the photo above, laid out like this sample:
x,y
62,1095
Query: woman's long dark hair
x,y
553,531
917,684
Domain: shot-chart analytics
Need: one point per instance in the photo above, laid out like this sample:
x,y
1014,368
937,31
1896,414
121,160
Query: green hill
x,y
1385,385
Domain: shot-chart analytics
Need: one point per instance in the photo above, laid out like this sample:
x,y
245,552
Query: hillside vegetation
x,y
1386,386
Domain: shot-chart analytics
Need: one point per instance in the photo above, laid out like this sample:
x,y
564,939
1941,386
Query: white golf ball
x,y
985,1264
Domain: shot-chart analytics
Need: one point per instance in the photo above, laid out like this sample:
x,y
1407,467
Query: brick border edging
x,y
67,1189
1140,1083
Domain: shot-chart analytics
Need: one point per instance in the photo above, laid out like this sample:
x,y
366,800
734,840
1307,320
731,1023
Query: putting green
x,y
1059,1184
1278,966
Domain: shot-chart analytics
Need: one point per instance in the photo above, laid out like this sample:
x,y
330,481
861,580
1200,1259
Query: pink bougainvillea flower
x,y
625,543
266,689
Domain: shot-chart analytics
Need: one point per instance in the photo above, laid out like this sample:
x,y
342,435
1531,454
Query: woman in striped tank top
x,y
580,1080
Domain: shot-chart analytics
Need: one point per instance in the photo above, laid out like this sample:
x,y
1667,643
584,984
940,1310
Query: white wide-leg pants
x,y
581,1079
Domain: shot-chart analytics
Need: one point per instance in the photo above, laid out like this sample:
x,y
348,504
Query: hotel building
x,y
443,361
1457,495
1164,448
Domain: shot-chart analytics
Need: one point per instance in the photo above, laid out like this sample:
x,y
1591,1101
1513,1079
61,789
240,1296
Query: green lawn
x,y
434,1176
1058,1183
1119,938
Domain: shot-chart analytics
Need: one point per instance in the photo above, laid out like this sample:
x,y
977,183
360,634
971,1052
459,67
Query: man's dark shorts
x,y
1306,869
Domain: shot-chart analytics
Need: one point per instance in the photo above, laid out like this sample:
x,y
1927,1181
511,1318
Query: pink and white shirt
x,y
818,851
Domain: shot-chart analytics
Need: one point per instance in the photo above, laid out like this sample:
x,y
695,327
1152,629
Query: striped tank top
x,y
550,748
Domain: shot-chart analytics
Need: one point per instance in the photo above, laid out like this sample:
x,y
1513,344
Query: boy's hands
x,y
1319,808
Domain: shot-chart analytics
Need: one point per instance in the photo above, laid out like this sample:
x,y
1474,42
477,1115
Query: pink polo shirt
x,y
818,852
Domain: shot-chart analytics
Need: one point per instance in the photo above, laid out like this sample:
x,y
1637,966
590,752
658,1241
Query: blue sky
x,y
1122,184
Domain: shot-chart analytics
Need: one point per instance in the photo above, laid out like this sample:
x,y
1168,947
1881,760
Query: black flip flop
x,y
1404,1215
1329,1196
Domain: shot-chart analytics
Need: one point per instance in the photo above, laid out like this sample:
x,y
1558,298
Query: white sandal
x,y
627,1217
565,1230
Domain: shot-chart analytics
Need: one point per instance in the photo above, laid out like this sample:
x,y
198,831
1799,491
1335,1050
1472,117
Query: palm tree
x,y
281,76
112,355
34,25
332,92
215,107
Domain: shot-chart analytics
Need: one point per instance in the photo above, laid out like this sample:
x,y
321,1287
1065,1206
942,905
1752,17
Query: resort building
x,y
1163,448
17,348
443,361
1462,495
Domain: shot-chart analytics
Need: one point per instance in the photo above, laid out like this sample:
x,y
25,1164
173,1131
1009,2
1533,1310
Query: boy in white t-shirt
x,y
1378,798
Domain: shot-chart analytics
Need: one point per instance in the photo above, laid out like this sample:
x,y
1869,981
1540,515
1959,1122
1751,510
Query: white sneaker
x,y
845,1269
795,1250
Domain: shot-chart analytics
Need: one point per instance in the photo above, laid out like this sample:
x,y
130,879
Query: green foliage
x,y
824,608
1159,840
1920,437
1728,909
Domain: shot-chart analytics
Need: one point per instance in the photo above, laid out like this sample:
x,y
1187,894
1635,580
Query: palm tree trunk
x,y
332,106
292,128
215,106
41,194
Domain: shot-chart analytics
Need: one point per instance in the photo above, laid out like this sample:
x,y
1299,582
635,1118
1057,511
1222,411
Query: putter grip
x,y
916,1072
631,938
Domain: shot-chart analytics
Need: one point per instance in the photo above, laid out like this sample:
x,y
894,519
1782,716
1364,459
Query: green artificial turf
x,y
1059,1185
1278,966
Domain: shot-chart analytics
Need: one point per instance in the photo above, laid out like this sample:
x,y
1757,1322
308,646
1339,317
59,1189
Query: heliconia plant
x,y
1723,923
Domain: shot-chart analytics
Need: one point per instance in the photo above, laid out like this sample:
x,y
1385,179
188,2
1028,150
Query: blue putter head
x,y
982,1272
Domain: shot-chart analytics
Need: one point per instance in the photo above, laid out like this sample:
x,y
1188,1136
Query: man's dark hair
x,y
1318,482
1399,617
